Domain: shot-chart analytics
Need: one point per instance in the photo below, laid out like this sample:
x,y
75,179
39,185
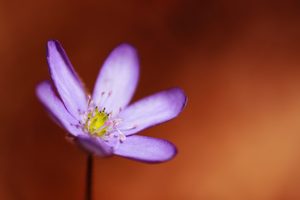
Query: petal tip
x,y
183,96
54,45
180,97
41,87
52,42
172,152
126,50
125,47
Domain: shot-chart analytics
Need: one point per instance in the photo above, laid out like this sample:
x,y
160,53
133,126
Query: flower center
x,y
96,122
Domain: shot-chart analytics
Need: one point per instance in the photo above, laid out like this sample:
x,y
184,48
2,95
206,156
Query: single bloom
x,y
103,123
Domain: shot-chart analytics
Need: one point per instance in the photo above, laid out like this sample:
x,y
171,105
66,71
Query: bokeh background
x,y
238,61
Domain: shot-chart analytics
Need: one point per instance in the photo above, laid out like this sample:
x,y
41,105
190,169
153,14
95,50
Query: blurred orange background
x,y
238,61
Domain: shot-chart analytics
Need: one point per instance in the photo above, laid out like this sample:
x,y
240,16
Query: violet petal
x,y
117,79
66,80
94,145
56,108
146,149
152,110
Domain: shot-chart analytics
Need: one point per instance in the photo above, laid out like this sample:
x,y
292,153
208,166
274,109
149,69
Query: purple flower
x,y
103,123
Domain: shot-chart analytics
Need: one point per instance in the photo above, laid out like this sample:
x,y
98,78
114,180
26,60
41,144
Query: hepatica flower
x,y
103,123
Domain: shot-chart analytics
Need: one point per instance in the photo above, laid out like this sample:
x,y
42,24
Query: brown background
x,y
238,61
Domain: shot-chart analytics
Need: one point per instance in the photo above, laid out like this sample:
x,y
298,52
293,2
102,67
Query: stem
x,y
89,177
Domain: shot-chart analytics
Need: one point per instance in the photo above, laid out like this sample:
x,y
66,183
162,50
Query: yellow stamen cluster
x,y
96,122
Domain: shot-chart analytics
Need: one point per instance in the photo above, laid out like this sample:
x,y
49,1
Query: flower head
x,y
103,123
